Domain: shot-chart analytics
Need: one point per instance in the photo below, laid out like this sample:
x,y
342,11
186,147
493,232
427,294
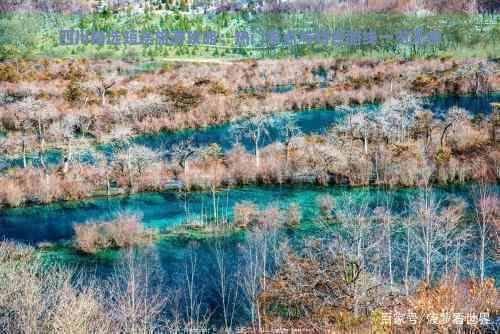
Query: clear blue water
x,y
54,223
309,121
170,255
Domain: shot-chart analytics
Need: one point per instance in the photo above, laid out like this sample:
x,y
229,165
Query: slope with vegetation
x,y
86,107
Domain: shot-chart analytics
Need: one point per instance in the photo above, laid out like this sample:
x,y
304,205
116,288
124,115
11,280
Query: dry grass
x,y
293,215
123,232
326,204
36,299
90,238
146,106
245,213
324,159
11,194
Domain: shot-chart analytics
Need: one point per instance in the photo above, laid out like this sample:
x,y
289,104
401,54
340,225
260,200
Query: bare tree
x,y
101,86
423,125
83,123
254,273
64,129
254,128
487,205
387,220
478,72
451,216
409,228
288,130
34,115
452,117
227,287
357,224
137,305
426,214
121,136
25,126
364,126
396,115
135,160
104,164
182,151
196,320
435,227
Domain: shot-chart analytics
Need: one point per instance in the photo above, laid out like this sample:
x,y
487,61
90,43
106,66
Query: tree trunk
x,y
407,261
68,157
428,266
108,185
103,96
483,244
287,153
214,203
24,153
257,156
391,276
186,168
41,139
129,167
366,144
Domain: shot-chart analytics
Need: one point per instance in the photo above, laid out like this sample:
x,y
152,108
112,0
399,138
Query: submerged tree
x,y
487,205
227,285
435,228
64,129
288,130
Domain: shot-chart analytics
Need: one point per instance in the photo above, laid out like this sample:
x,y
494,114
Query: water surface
x,y
308,121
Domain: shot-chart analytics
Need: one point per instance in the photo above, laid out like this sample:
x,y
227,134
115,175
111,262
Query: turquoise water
x,y
308,121
54,223
163,210
170,256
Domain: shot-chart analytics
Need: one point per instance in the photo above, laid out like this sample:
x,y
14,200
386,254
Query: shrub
x,y
270,217
442,156
294,215
11,193
89,238
241,165
124,231
8,73
244,213
326,204
75,73
309,296
38,299
217,88
12,252
453,296
73,92
181,97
